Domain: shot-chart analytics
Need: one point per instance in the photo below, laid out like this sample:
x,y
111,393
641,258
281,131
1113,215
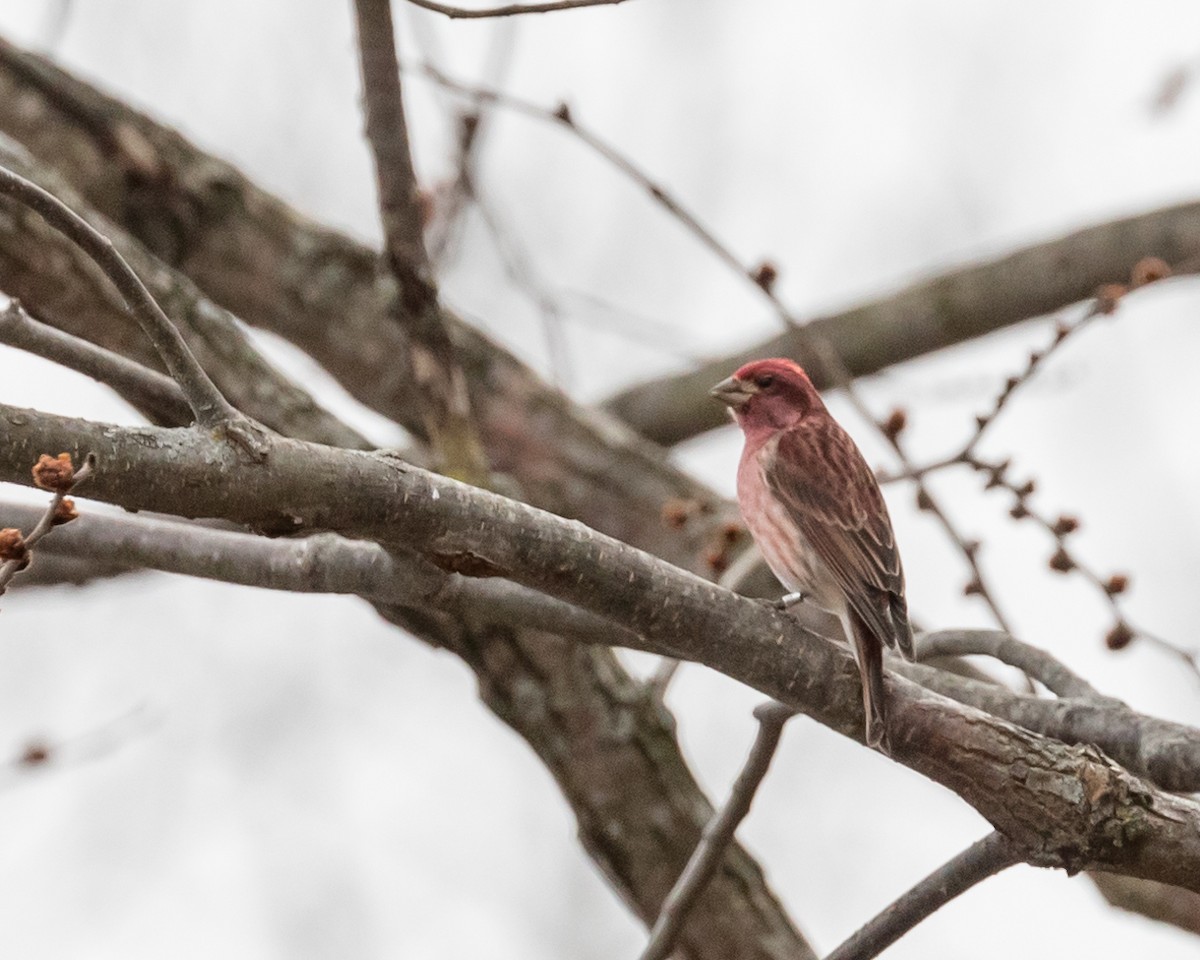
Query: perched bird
x,y
814,508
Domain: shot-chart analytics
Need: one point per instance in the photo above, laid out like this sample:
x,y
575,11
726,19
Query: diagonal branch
x,y
60,284
979,861
1072,808
718,833
962,303
1166,753
208,405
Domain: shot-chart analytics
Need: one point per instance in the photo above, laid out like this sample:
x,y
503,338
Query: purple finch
x,y
814,508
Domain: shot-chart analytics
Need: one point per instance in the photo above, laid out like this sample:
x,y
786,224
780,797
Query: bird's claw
x,y
786,602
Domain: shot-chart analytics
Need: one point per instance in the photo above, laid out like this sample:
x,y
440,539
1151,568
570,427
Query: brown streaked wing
x,y
818,473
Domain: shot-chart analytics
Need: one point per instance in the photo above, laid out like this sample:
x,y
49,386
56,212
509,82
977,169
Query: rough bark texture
x,y
560,455
963,303
277,270
1064,806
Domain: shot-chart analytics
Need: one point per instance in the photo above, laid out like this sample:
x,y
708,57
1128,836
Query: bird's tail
x,y
904,637
868,651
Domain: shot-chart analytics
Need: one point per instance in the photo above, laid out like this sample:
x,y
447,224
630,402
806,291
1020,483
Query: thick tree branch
x,y
1063,806
1165,752
978,862
960,304
327,294
59,283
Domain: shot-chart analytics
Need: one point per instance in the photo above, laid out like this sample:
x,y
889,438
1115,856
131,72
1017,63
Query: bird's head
x,y
769,395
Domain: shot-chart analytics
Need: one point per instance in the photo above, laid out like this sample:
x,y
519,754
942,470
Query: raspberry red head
x,y
769,395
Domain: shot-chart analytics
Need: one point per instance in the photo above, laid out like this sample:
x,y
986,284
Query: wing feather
x,y
819,475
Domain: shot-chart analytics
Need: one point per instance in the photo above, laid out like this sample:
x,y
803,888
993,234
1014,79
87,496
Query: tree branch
x,y
153,393
1167,753
52,277
62,478
979,861
1039,664
208,405
508,10
718,833
445,400
1072,808
958,305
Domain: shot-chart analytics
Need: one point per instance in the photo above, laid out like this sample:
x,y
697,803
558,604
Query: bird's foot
x,y
786,602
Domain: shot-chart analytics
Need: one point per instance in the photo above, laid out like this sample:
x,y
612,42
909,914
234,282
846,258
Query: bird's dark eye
x,y
764,381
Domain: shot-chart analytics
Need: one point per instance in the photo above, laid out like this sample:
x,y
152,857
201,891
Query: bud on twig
x,y
1119,637
54,473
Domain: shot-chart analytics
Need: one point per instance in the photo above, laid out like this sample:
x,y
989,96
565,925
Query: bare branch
x,y
1039,664
154,393
446,402
718,834
1165,752
208,405
979,861
1169,904
61,285
1074,808
509,10
960,304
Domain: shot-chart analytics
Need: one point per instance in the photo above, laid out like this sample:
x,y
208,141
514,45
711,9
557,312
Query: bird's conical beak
x,y
731,391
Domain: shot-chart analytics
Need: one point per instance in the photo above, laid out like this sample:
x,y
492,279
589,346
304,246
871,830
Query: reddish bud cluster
x,y
562,113
1061,561
1148,270
34,754
765,275
12,545
64,511
894,425
718,556
973,588
677,511
54,473
924,500
1064,525
1119,637
1117,583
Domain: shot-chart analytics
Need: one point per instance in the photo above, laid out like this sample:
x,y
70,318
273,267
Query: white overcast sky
x,y
251,775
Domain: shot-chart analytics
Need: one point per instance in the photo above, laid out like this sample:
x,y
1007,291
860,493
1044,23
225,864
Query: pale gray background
x,y
250,775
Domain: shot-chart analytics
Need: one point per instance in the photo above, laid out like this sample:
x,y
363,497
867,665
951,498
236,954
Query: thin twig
x,y
718,833
208,405
979,861
1046,669
431,355
149,390
508,10
56,513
